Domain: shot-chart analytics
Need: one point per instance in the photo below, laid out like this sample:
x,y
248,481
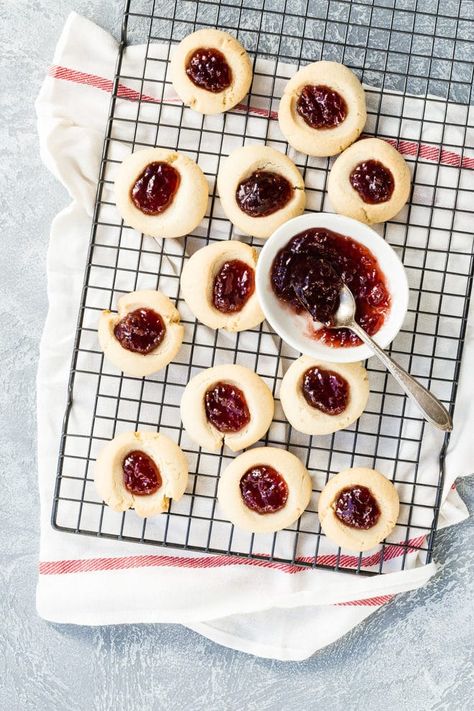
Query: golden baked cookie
x,y
161,193
227,404
319,398
141,471
211,71
259,189
370,181
144,335
218,285
322,110
264,490
358,508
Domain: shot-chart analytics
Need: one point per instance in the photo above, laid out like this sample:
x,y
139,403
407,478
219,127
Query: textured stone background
x,y
414,654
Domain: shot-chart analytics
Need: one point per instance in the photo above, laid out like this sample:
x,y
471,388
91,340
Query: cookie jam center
x,y
325,390
140,331
357,508
226,407
155,188
299,278
321,107
141,476
207,68
234,284
373,181
263,489
263,193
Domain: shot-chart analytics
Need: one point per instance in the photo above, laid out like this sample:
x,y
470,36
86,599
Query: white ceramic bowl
x,y
293,328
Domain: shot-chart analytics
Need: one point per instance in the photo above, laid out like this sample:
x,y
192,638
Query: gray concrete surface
x,y
414,654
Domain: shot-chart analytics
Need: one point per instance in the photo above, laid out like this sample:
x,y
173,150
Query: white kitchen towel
x,y
266,608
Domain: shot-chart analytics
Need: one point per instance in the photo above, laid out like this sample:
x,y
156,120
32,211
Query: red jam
x,y
140,331
263,193
141,476
155,188
325,390
226,407
207,68
233,286
357,508
321,107
373,181
299,262
263,489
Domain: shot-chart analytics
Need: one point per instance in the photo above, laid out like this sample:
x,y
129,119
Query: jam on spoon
x,y
226,407
207,68
321,107
325,390
263,193
140,331
141,476
234,284
373,181
263,489
155,188
357,508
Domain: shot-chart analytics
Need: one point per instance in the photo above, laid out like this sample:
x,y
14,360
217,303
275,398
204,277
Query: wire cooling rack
x,y
400,52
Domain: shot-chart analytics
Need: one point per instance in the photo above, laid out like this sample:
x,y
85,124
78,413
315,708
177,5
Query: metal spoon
x,y
428,404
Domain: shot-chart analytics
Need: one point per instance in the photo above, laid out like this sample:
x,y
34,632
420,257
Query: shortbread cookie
x,y
322,110
218,285
144,335
319,398
370,181
227,404
161,193
260,188
264,490
211,71
141,471
358,508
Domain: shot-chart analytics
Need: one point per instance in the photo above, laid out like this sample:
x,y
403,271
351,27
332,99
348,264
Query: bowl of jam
x,y
300,271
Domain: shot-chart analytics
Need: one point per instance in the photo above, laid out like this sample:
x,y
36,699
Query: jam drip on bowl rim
x,y
234,284
357,508
325,390
226,407
155,188
141,476
140,331
321,107
208,69
297,263
263,193
263,489
373,181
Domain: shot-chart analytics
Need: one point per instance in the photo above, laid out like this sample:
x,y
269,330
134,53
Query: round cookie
x,y
337,394
138,182
222,69
380,489
292,497
277,174
326,82
206,278
253,415
126,458
134,362
346,200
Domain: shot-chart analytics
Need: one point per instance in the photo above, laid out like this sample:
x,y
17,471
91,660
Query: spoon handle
x,y
432,409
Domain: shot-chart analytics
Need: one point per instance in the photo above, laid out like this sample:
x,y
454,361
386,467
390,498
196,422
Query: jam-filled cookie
x,y
358,508
370,181
227,404
144,335
260,188
211,71
218,285
264,490
322,110
161,193
141,471
319,398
